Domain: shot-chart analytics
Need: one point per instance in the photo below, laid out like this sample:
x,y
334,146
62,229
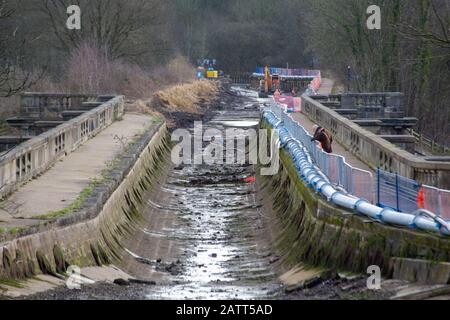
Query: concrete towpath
x,y
60,186
326,87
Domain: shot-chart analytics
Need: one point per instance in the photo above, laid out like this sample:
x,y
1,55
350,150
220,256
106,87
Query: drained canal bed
x,y
220,220
217,225
208,233
205,235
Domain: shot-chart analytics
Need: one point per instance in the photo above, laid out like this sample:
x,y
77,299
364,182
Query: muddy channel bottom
x,y
207,235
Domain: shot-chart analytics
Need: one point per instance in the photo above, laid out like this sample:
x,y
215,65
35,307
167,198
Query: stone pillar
x,y
347,101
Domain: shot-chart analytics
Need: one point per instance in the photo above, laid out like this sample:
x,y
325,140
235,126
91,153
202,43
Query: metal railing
x,y
289,72
429,143
241,78
406,195
437,201
396,192
35,104
374,150
312,79
387,190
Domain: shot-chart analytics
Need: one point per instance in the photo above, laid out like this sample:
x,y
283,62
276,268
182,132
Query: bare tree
x,y
13,77
438,11
121,26
410,53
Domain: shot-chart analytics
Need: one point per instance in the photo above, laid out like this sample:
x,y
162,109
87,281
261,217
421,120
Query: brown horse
x,y
324,137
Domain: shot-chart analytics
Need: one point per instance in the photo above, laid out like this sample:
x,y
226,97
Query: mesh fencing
x,y
388,190
362,184
406,195
437,201
444,196
289,72
335,166
355,181
397,192
432,199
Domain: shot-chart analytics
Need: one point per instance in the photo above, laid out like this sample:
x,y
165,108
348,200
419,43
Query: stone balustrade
x,y
367,105
34,105
33,157
376,151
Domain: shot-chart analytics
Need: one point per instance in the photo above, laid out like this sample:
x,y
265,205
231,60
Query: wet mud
x,y
207,235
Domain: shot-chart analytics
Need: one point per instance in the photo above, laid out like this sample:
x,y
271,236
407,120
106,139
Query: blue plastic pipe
x,y
314,178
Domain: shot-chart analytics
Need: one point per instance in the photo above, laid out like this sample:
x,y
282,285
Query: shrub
x,y
91,70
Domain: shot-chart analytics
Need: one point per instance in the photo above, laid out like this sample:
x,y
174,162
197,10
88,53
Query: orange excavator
x,y
270,84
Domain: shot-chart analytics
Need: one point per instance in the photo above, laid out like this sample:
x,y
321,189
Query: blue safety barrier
x,y
354,180
318,181
396,192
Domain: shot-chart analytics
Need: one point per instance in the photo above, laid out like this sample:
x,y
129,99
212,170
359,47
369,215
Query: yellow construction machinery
x,y
269,84
207,69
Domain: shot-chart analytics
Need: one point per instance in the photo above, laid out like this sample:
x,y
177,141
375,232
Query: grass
x,y
185,98
87,192
11,283
14,231
75,206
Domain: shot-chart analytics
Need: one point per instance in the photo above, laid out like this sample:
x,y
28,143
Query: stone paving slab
x,y
326,87
62,184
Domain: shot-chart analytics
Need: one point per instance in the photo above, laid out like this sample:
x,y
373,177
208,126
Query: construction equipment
x,y
270,84
207,69
295,81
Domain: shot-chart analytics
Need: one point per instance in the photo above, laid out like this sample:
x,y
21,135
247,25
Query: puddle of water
x,y
218,218
245,92
240,124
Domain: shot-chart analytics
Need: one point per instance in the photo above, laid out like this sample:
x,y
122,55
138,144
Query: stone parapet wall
x,y
33,157
93,235
376,151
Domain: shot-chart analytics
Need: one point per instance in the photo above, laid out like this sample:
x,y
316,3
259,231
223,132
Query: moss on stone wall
x,y
319,234
109,249
94,235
